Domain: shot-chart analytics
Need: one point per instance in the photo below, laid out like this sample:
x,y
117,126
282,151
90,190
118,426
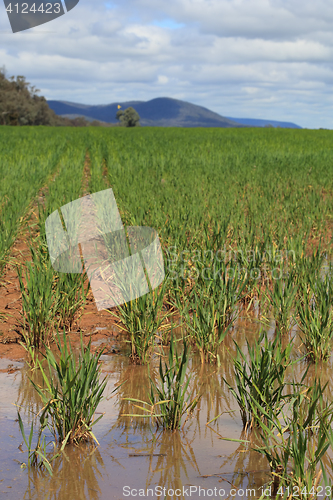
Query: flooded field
x,y
134,458
244,224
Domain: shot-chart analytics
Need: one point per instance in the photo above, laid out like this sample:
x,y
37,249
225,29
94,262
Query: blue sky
x,y
168,23
268,59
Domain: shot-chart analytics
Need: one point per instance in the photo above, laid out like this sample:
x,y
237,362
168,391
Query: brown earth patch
x,y
92,323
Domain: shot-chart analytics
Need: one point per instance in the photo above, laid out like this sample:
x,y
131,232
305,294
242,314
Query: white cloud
x,y
162,79
253,58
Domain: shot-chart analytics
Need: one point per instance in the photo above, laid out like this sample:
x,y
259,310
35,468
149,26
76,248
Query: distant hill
x,y
252,122
159,112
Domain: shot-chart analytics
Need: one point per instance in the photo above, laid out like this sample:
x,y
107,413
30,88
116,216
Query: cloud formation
x,y
241,58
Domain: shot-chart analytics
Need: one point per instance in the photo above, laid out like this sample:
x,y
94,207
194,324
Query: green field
x,y
260,186
244,217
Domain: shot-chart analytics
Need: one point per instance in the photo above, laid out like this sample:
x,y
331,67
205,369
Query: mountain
x,y
159,112
252,122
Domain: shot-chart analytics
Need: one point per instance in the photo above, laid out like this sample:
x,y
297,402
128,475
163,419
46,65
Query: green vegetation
x,y
128,118
282,299
20,105
244,218
70,394
39,303
213,306
261,379
168,400
295,445
142,318
29,159
316,319
49,298
236,211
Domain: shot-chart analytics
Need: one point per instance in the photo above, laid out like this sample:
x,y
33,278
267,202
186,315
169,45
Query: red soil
x,y
11,307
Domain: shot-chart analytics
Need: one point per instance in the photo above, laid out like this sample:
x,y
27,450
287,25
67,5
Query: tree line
x,y
20,105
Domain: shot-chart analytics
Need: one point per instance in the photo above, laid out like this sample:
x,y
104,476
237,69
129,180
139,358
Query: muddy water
x,y
133,455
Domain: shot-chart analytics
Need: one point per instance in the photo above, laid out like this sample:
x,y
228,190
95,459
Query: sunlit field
x,y
236,341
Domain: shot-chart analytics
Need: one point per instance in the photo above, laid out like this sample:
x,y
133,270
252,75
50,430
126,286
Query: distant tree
x,y
269,125
99,123
79,121
95,123
128,118
20,104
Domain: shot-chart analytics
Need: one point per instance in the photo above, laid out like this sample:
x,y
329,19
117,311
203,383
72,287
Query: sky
x,y
240,58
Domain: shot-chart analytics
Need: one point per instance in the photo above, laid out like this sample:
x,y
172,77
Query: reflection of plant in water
x,y
294,445
28,400
136,380
174,454
246,459
77,474
243,464
207,379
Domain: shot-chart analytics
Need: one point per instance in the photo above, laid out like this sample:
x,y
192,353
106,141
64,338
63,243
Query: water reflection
x,y
133,451
250,469
176,457
28,400
216,398
78,473
135,384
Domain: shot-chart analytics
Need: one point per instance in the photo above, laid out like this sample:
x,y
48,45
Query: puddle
x,y
7,364
134,459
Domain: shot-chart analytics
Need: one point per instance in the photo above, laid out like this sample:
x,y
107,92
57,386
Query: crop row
x,y
244,218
